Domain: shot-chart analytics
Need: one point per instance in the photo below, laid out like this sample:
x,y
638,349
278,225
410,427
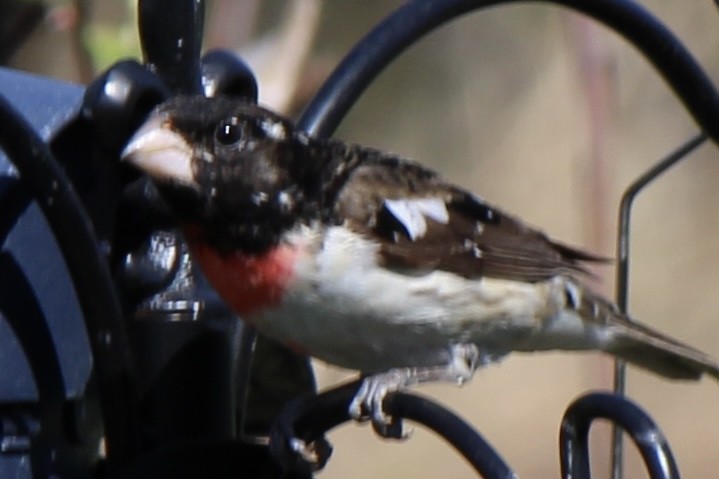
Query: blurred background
x,y
534,108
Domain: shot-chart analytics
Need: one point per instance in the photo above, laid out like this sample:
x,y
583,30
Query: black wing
x,y
423,223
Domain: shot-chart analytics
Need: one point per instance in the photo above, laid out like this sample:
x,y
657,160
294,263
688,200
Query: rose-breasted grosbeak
x,y
370,261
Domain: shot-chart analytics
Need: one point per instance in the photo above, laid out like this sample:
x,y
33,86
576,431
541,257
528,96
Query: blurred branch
x,y
72,19
230,23
17,22
596,76
85,66
280,57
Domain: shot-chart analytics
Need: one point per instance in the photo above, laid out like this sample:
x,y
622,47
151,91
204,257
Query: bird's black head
x,y
230,167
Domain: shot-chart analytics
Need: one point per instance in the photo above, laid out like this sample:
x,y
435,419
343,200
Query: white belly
x,y
341,308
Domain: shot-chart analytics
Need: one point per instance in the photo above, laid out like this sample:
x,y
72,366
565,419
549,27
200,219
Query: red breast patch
x,y
248,283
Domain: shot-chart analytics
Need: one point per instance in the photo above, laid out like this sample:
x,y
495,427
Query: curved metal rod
x,y
308,418
23,313
625,208
574,435
45,180
14,200
468,442
622,288
416,18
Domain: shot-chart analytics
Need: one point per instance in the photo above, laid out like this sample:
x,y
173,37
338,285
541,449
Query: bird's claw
x,y
368,402
298,455
293,449
313,454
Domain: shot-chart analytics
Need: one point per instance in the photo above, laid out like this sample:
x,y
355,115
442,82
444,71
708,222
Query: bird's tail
x,y
651,350
644,347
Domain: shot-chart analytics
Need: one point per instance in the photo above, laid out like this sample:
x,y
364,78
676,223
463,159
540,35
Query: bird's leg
x,y
367,403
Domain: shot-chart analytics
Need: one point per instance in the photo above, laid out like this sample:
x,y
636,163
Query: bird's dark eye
x,y
229,132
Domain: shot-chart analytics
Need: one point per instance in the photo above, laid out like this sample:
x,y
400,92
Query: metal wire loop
x,y
308,418
574,435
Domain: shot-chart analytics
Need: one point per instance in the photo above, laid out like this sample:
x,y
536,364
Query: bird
x,y
372,262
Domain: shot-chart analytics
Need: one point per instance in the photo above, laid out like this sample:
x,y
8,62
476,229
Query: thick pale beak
x,y
160,152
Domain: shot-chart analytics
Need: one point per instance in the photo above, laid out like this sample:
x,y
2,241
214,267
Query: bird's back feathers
x,y
388,200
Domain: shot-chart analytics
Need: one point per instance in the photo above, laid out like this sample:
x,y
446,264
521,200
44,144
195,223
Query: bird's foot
x,y
313,455
292,442
367,403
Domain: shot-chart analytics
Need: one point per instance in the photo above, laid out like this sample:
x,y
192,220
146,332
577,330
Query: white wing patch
x,y
413,213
